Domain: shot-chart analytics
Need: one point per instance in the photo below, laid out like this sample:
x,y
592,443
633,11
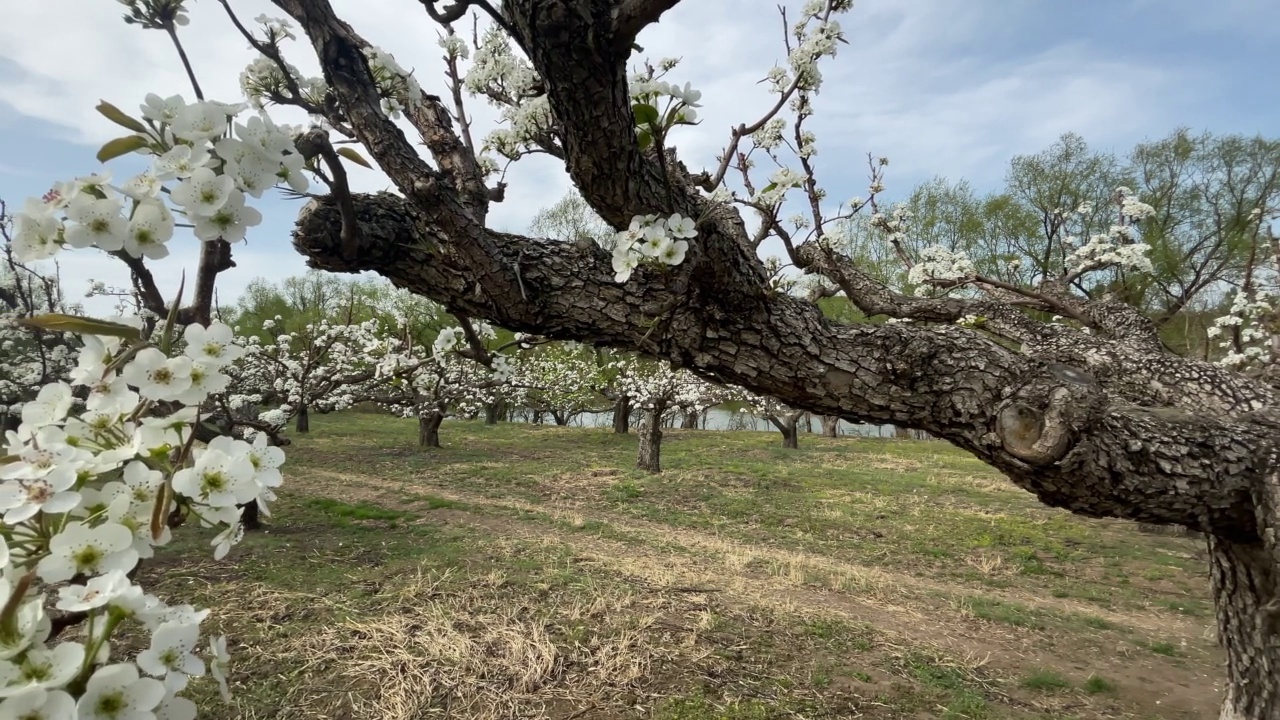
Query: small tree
x,y
560,379
785,419
317,368
434,382
30,358
656,388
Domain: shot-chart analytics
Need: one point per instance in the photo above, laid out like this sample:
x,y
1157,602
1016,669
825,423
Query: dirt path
x,y
906,610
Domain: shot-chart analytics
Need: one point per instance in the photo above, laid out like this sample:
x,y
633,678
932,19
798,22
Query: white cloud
x,y
917,82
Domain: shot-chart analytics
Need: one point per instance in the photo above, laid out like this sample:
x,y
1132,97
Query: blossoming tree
x,y
656,388
785,419
436,381
1090,413
316,368
28,359
560,379
1104,422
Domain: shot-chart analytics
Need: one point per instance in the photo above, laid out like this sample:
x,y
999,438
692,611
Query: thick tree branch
x,y
1145,464
632,16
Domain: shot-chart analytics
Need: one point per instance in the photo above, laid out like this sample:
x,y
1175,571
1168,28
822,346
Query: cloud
x,y
940,87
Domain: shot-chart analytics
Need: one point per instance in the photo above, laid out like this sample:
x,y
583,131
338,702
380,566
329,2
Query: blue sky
x,y
941,87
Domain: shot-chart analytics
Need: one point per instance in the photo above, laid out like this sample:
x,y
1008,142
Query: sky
x,y
952,88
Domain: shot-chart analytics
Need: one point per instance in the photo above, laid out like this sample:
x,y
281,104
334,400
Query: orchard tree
x,y
30,358
559,379
656,388
785,419
1090,413
435,382
314,369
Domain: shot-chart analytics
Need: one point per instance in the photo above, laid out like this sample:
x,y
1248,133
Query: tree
x,y
785,419
656,388
571,219
1105,422
29,358
560,379
433,382
316,368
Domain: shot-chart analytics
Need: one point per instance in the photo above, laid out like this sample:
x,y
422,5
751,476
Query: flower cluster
x,y
1249,328
1120,246
87,495
937,264
652,239
193,146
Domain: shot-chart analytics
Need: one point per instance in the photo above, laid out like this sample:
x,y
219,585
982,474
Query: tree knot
x,y
1037,424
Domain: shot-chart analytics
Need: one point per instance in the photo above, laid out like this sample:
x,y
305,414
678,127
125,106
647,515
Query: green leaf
x,y
354,156
117,116
769,187
644,139
60,322
166,338
121,146
644,113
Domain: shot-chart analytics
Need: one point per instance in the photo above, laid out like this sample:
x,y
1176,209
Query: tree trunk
x,y
492,412
808,422
1244,578
429,429
789,426
830,426
690,421
651,440
561,418
622,415
304,422
249,516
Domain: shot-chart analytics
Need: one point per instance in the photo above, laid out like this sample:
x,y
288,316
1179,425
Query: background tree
x,y
30,358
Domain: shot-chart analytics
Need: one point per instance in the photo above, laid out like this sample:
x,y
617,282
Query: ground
x,y
528,572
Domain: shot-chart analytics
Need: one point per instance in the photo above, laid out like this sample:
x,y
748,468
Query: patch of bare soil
x,y
903,609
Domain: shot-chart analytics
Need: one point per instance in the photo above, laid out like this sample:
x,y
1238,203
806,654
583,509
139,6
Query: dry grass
x,y
496,581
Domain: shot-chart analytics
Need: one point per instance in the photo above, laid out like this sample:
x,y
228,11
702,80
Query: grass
x,y
1045,680
528,571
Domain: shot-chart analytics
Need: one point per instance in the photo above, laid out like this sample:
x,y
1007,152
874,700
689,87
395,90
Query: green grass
x,y
1096,685
1045,680
523,567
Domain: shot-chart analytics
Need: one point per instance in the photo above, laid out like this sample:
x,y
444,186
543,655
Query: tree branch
x,y
632,16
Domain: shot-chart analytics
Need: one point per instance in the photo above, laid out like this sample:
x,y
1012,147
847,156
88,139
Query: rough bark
x,y
429,429
1105,424
1243,576
789,426
622,415
830,426
649,456
303,421
689,421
